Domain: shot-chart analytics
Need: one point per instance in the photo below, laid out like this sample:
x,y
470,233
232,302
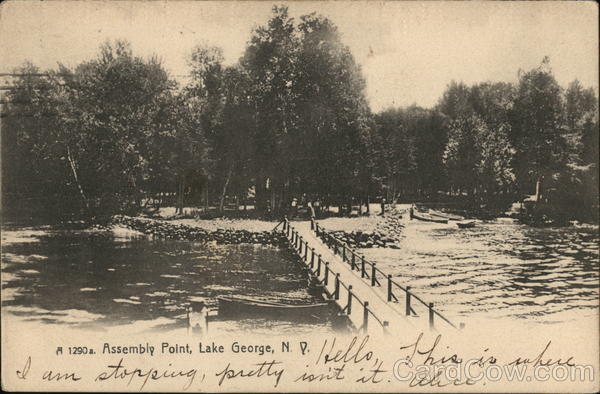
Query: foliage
x,y
290,119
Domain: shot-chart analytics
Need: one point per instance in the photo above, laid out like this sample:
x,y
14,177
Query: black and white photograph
x,y
370,196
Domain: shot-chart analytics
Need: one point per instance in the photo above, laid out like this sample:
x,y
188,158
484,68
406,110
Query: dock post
x,y
336,293
317,229
363,273
365,326
187,311
312,224
312,258
306,250
373,272
431,315
319,266
326,280
349,305
407,300
344,252
353,261
390,294
198,318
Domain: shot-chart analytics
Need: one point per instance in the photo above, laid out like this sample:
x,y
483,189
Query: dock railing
x,y
323,274
369,271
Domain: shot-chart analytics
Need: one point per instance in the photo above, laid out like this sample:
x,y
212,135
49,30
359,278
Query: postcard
x,y
301,196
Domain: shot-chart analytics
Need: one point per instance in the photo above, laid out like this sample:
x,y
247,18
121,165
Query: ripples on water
x,y
94,279
91,279
498,268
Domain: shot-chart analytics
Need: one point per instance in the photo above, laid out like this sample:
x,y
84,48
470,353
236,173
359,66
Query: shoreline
x,y
176,230
363,232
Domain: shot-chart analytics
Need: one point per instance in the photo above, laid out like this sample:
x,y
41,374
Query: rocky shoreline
x,y
164,229
387,234
359,239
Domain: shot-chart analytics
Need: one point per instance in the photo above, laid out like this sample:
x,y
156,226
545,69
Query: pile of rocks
x,y
386,235
164,229
359,239
391,227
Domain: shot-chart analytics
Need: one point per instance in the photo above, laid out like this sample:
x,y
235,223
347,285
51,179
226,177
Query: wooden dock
x,y
373,301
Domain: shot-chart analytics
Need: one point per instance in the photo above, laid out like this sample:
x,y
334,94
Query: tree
x,y
496,153
456,101
577,187
101,125
478,154
492,102
311,119
461,157
396,149
34,174
537,128
333,116
270,62
580,112
231,144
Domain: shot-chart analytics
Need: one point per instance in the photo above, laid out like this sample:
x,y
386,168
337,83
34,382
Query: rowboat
x,y
242,307
445,215
466,224
428,218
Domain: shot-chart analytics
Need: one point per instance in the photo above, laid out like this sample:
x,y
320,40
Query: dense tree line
x,y
498,142
289,119
97,139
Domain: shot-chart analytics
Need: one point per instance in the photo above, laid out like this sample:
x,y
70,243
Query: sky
x,y
409,51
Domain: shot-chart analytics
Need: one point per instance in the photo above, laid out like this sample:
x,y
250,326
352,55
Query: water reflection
x,y
92,279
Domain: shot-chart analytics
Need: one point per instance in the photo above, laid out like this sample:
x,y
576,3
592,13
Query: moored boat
x,y
466,224
428,218
445,215
239,307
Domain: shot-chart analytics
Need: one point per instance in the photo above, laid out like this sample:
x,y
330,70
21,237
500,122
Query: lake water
x,y
97,279
498,269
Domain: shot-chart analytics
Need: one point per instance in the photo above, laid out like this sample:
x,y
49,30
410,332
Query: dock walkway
x,y
369,298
